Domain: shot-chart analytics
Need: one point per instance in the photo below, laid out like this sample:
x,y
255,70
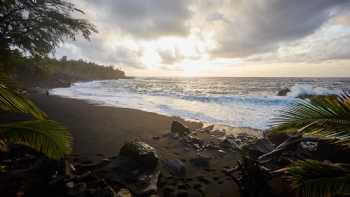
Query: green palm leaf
x,y
324,117
46,136
316,179
12,102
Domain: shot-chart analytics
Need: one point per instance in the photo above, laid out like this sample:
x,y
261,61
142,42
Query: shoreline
x,y
56,108
198,162
79,115
217,126
103,130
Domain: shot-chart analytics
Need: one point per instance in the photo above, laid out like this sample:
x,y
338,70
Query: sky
x,y
231,38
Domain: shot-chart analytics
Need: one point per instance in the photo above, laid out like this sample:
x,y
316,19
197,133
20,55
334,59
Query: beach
x,y
100,130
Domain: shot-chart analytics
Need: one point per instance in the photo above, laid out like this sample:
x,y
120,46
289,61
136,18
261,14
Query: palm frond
x,y
6,81
10,101
46,136
327,117
317,179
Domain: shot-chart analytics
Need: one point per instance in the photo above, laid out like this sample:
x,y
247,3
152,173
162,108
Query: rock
x,y
192,141
309,146
229,143
40,90
156,137
124,193
283,92
136,167
175,166
245,138
301,148
259,147
179,129
70,184
141,153
106,192
218,133
201,161
206,129
277,137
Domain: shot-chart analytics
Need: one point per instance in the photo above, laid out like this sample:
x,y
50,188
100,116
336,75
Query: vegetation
x,y
40,133
41,71
315,178
328,118
38,26
29,30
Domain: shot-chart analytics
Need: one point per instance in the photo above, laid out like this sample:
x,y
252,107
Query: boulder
x,y
229,143
136,167
202,160
142,153
259,147
179,129
175,167
283,92
192,141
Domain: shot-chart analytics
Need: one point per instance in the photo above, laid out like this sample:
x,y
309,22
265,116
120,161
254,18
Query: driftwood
x,y
288,145
251,178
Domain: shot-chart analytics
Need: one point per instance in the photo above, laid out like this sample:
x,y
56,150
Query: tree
x,y
38,26
327,118
34,27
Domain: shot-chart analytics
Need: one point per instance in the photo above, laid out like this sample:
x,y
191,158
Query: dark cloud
x,y
260,26
144,18
254,30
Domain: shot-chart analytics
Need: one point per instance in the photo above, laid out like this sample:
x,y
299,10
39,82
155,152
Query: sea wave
x,y
300,90
233,102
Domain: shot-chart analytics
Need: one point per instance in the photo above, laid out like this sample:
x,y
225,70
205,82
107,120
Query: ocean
x,y
237,102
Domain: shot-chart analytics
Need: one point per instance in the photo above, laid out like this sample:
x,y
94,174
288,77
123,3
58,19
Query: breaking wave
x,y
242,102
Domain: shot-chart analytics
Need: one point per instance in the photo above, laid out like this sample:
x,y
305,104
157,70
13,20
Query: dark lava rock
x,y
201,161
179,129
137,167
175,166
124,193
259,147
302,148
276,137
192,141
156,137
142,153
26,172
229,143
283,92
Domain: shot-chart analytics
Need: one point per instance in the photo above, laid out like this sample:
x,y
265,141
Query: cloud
x,y
330,43
169,34
257,26
98,51
170,57
147,19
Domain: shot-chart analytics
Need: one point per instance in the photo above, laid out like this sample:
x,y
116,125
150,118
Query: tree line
x,y
39,70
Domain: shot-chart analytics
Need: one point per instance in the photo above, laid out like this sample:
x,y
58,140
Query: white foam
x,y
238,111
306,89
233,102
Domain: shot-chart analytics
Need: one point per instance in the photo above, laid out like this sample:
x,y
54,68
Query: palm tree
x,y
328,118
41,134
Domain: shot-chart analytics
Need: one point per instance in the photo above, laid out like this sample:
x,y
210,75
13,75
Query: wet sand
x,y
100,129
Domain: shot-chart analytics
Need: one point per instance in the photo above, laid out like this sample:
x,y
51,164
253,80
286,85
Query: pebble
x,y
70,184
124,193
